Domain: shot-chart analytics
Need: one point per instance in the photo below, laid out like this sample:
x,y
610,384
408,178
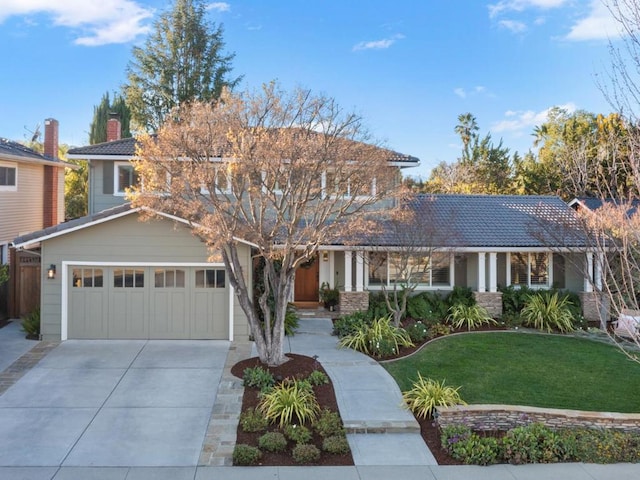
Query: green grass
x,y
550,371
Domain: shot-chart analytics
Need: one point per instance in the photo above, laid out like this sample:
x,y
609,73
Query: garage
x,y
124,301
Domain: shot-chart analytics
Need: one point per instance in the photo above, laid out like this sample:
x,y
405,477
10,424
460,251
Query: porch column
x,y
347,270
597,275
493,272
482,272
588,286
508,267
359,271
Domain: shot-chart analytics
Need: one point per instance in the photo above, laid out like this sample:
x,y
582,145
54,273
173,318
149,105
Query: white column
x,y
347,270
359,271
508,267
493,272
598,271
588,286
482,272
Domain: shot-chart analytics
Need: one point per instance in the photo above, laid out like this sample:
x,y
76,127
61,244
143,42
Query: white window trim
x,y
420,286
529,285
10,188
116,177
373,190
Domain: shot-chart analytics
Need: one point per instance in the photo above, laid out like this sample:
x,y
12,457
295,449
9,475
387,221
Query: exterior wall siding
x,y
21,211
101,201
127,240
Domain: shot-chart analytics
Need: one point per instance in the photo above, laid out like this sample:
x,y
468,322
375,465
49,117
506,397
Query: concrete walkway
x,y
13,344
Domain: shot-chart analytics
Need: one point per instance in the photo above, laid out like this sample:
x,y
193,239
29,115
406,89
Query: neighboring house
x,y
32,198
118,277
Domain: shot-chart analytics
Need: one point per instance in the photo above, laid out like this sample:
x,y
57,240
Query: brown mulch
x,y
299,366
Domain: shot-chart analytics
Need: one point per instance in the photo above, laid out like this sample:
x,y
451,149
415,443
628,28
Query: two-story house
x,y
31,198
117,277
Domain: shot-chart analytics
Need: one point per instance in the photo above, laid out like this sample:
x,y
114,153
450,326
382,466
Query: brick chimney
x,y
51,173
114,129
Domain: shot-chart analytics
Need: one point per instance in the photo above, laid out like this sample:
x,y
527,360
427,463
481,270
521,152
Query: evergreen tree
x,y
181,61
98,127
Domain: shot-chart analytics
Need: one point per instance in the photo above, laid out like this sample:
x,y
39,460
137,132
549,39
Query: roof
x,y
489,221
444,221
127,148
16,151
594,203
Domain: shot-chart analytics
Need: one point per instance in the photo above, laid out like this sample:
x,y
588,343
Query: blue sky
x,y
409,67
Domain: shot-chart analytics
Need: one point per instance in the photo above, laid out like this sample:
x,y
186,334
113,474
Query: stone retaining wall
x,y
492,301
353,301
594,306
504,417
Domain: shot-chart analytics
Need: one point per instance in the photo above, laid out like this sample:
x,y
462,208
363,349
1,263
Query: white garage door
x,y
148,302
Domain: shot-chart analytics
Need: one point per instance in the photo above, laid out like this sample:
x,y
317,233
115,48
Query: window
x,y
210,278
125,177
128,278
425,270
347,184
530,269
169,278
8,177
87,278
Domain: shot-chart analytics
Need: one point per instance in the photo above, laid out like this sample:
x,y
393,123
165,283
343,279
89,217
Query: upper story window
x,y
124,177
8,177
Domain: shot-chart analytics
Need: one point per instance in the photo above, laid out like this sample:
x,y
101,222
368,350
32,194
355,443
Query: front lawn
x,y
552,371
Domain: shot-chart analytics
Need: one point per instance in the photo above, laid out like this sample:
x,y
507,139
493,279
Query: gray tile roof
x,y
448,221
477,221
15,149
127,147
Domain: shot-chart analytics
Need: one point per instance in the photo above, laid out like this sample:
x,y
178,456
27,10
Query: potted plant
x,y
329,296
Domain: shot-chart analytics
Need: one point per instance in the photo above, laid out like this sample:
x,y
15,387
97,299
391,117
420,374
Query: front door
x,y
307,284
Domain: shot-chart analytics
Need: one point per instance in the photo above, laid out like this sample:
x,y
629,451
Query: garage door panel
x,y
169,315
128,314
89,315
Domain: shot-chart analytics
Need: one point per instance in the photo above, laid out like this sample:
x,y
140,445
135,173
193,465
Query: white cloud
x,y
513,25
518,121
219,6
98,22
477,90
378,44
599,24
460,92
520,5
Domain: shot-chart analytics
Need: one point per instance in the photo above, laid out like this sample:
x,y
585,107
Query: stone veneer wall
x,y
492,301
591,304
353,301
504,417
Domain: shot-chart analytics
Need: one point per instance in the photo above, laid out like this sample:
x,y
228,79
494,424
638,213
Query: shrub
x,y
439,330
547,311
291,320
31,323
257,377
473,316
418,307
417,331
377,306
244,454
298,433
460,296
272,442
317,378
532,443
252,420
336,444
348,324
602,446
328,424
305,453
289,401
514,299
452,434
427,394
379,339
476,450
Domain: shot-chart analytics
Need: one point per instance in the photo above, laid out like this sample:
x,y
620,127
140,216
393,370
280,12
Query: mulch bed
x,y
299,366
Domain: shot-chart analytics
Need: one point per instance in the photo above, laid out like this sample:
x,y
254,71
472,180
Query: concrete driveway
x,y
113,403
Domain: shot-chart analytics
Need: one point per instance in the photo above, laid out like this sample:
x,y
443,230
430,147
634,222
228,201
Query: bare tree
x,y
413,247
282,172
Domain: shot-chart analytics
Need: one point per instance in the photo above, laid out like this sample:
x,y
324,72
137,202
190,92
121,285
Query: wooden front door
x,y
307,284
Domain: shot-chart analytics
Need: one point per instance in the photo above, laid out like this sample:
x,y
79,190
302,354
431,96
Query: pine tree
x,y
98,127
181,61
